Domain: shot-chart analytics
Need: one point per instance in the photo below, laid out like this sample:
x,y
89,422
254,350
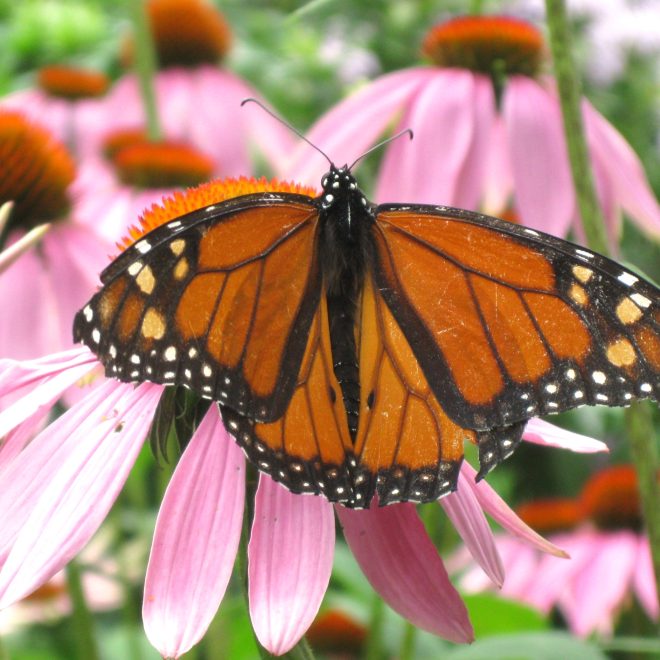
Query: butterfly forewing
x,y
508,323
219,300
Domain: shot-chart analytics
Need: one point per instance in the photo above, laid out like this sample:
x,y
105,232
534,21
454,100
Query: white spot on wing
x,y
628,279
641,300
143,246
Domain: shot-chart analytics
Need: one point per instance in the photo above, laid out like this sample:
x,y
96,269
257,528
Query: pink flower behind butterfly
x,y
199,102
610,560
488,133
42,288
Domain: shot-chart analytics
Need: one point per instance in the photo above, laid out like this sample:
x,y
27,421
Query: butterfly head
x,y
339,186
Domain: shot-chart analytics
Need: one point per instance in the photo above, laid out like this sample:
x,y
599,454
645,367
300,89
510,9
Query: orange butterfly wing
x,y
506,323
220,300
309,448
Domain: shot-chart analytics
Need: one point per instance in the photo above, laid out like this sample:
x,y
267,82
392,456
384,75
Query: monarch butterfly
x,y
354,348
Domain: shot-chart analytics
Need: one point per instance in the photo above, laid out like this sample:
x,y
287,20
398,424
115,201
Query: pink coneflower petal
x,y
195,541
469,187
77,254
354,125
521,563
36,384
67,497
499,511
540,432
465,513
599,589
623,170
402,564
498,177
443,118
541,173
554,574
26,328
290,561
644,580
14,442
266,135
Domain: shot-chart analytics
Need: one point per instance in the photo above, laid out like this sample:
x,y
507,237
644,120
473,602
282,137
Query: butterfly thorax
x,y
345,219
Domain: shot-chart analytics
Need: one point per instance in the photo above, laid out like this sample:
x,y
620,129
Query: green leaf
x,y
491,614
528,646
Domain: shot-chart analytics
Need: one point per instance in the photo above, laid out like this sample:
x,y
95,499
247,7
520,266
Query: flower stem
x,y
83,623
569,98
373,648
644,448
407,651
4,653
145,66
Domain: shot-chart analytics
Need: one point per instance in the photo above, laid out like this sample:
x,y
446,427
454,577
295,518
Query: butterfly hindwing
x,y
308,449
219,300
407,448
508,323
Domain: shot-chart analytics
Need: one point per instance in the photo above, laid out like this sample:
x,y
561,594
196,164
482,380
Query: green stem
x,y
644,448
82,620
373,648
407,651
569,99
145,66
645,454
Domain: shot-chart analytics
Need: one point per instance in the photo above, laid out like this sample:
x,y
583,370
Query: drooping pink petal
x,y
470,183
541,432
75,255
195,541
290,561
521,563
542,179
219,129
267,135
14,442
30,386
600,588
500,511
354,125
644,580
27,325
68,478
396,555
623,170
609,206
462,508
554,575
498,177
428,169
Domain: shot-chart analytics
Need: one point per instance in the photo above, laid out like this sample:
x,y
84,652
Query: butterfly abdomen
x,y
345,222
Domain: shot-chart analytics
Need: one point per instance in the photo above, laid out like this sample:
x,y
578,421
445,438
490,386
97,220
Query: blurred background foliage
x,y
304,57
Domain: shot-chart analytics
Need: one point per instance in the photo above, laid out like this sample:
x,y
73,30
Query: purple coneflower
x,y
488,133
56,489
41,289
610,559
198,101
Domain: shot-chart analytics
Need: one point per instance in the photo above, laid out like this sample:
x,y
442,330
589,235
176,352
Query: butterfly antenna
x,y
382,144
285,123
